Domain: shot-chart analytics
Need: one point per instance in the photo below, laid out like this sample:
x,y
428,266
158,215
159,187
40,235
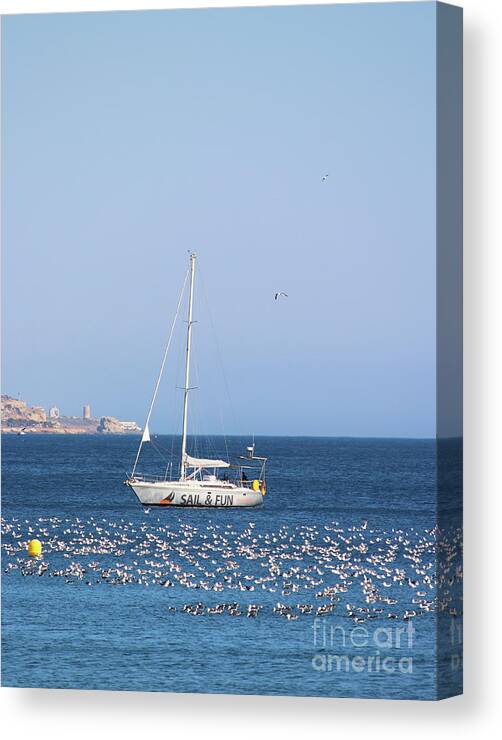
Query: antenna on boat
x,y
193,257
250,450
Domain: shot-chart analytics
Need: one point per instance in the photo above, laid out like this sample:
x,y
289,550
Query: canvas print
x,y
232,351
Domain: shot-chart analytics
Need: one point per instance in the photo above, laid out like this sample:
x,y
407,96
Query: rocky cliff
x,y
14,410
110,425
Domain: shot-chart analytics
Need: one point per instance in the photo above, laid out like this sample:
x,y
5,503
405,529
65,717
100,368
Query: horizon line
x,y
240,436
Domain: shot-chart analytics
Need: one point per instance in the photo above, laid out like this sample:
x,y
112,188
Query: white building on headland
x,y
53,412
130,426
87,411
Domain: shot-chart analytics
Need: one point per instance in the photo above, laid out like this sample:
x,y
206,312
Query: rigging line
x,y
154,396
204,445
158,449
205,441
196,414
220,360
177,422
222,421
202,448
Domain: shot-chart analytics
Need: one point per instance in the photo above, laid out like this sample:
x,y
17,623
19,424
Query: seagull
x,y
278,295
324,177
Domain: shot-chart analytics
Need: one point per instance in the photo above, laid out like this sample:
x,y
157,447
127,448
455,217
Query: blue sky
x,y
129,138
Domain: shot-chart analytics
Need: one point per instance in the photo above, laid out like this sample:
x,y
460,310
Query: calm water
x,y
347,525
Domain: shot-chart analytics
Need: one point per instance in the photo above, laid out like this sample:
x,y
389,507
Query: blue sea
x,y
346,582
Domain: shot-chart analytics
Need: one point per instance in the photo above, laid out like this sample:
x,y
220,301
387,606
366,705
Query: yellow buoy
x,y
34,548
255,485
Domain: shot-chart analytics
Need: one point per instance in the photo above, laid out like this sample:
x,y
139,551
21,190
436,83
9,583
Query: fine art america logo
x,y
359,649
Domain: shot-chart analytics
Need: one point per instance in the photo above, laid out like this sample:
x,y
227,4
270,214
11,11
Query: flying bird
x,y
324,177
278,295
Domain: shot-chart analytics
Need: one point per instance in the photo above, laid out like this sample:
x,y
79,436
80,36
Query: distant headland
x,y
19,418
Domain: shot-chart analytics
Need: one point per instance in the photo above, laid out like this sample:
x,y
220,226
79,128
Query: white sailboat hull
x,y
194,493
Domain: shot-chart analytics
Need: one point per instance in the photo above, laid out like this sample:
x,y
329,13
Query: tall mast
x,y
187,368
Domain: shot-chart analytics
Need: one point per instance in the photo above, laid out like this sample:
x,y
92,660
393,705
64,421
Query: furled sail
x,y
202,462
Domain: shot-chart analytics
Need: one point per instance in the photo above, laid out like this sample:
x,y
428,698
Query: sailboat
x,y
200,482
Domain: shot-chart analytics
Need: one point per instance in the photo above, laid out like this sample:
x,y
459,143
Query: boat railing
x,y
247,483
149,478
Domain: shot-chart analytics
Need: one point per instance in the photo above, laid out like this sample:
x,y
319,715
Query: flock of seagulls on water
x,y
359,572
